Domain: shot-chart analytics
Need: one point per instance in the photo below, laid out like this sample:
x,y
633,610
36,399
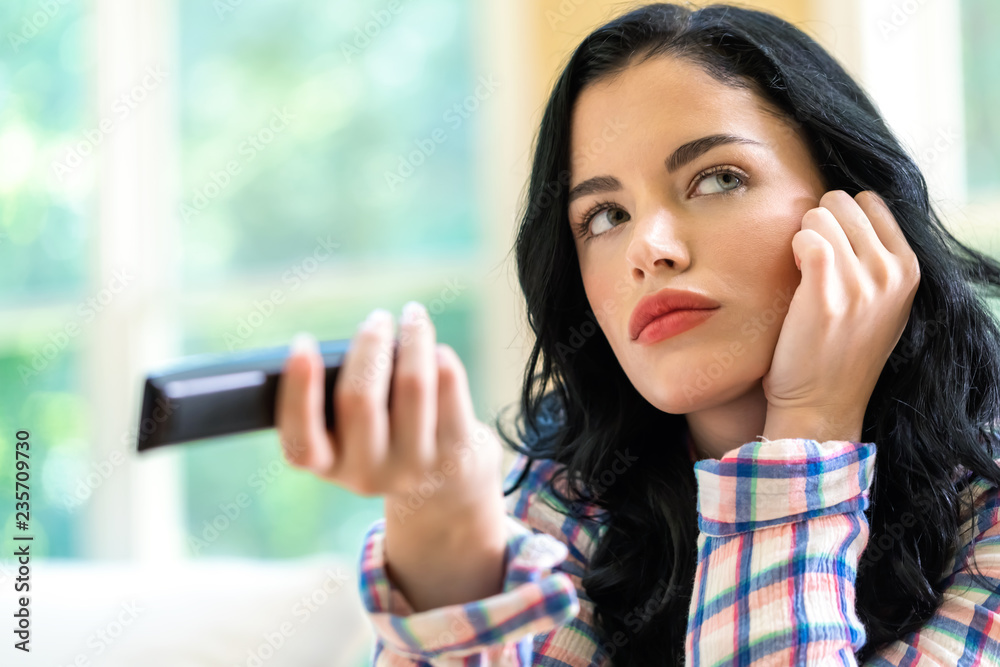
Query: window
x,y
980,22
47,139
940,103
245,171
981,61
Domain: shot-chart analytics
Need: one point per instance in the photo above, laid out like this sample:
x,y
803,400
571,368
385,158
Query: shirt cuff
x,y
772,482
534,599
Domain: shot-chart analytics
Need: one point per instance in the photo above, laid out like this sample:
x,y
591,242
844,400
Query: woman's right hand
x,y
420,446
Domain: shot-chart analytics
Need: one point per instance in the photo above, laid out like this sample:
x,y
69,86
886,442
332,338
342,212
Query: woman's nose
x,y
657,241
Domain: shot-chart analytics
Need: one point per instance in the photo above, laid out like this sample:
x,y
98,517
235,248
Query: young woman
x,y
763,427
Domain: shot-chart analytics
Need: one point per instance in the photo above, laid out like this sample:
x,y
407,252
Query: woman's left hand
x,y
859,278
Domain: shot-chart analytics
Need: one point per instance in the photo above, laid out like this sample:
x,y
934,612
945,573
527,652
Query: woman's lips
x,y
673,323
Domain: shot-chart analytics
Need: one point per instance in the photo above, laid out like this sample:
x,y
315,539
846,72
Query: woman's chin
x,y
692,390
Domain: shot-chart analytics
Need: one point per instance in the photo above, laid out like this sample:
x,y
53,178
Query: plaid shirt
x,y
782,529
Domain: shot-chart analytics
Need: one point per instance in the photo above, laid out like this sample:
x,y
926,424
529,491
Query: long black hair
x,y
932,412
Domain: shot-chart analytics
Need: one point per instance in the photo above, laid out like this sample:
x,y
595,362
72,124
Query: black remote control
x,y
208,395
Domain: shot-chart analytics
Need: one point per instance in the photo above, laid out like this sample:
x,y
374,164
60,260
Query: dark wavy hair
x,y
934,407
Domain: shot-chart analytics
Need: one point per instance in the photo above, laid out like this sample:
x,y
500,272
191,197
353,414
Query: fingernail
x,y
304,342
376,317
412,310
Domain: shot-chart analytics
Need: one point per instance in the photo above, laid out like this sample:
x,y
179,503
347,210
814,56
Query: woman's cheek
x,y
607,310
750,332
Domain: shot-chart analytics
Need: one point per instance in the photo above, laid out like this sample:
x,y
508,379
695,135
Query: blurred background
x,y
181,177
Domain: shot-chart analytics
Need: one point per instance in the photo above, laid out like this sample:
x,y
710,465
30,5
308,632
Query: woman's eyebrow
x,y
680,157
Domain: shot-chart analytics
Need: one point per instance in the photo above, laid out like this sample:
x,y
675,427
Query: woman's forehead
x,y
664,95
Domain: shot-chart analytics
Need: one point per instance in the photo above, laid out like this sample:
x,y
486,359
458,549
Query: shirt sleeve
x,y
497,630
535,620
576,642
782,529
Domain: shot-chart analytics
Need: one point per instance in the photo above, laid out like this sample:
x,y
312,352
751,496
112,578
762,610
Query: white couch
x,y
200,613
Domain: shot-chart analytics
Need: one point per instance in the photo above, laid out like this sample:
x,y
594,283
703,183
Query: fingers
x,y
818,271
360,397
865,237
455,409
823,221
887,228
854,225
824,254
395,402
413,404
299,414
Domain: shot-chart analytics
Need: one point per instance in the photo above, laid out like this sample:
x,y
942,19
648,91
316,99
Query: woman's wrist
x,y
785,423
438,557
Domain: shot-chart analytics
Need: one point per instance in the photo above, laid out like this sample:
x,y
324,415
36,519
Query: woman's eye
x,y
725,181
619,216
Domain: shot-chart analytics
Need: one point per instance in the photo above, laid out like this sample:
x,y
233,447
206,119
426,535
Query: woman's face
x,y
672,223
